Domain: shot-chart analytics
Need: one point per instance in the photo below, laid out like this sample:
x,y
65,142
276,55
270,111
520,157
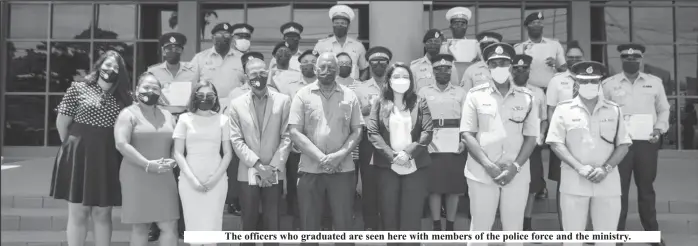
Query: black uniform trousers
x,y
369,184
251,196
292,183
314,189
641,164
402,199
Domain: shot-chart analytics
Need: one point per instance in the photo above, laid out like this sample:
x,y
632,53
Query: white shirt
x,y
400,124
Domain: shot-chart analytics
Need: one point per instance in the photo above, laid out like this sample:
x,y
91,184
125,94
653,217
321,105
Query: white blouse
x,y
400,123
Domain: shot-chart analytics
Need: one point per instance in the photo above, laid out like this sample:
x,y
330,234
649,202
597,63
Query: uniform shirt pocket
x,y
345,109
607,129
518,114
485,117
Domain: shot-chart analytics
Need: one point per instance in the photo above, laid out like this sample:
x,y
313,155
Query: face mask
x,y
307,70
378,70
520,79
442,78
109,76
589,91
631,67
500,74
148,98
459,32
327,77
400,85
205,104
340,31
535,31
173,57
344,71
432,49
259,82
221,43
242,44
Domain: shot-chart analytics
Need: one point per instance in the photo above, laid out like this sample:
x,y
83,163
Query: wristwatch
x,y
607,168
518,167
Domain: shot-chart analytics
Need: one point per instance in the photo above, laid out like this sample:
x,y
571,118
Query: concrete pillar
x,y
580,25
398,26
188,24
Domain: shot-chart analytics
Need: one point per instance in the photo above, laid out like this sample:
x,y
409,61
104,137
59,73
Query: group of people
x,y
469,119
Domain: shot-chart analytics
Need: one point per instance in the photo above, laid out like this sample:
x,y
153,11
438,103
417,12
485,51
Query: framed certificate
x,y
176,93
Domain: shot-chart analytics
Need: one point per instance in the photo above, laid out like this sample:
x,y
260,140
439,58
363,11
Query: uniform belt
x,y
446,123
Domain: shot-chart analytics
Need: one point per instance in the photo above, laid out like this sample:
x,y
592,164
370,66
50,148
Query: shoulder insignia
x,y
415,62
524,90
568,101
480,87
609,102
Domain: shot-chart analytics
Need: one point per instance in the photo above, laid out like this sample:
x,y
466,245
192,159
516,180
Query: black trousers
x,y
313,191
251,196
233,186
402,199
369,184
536,165
641,164
292,183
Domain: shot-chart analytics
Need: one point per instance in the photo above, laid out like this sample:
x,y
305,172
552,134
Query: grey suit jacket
x,y
272,146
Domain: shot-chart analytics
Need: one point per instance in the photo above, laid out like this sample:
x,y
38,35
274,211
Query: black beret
x,y
631,48
307,52
291,27
521,60
277,47
489,36
499,50
376,52
173,38
432,33
442,60
588,70
534,16
240,28
250,56
224,26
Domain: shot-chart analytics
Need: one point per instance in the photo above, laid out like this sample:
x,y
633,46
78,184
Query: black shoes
x,y
233,209
542,194
154,234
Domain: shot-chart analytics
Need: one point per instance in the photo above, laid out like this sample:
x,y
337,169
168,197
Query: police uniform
x,y
479,73
281,77
351,46
501,124
644,97
421,68
591,138
224,71
290,28
186,72
464,50
541,73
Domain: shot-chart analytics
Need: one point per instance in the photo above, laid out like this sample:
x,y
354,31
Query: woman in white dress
x,y
203,183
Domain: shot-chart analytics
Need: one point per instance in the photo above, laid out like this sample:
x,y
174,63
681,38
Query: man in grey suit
x,y
259,134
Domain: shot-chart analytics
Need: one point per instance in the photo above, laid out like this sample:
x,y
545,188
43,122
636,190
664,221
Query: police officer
x,y
307,61
345,67
588,134
242,33
548,54
445,178
172,70
421,68
463,49
479,73
521,64
643,100
341,16
292,36
499,126
283,74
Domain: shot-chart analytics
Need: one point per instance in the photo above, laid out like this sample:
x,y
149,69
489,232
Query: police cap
x,y
458,13
278,46
250,56
521,60
378,52
173,38
442,60
223,26
432,33
588,70
499,51
341,11
488,37
532,17
291,27
242,28
308,52
631,49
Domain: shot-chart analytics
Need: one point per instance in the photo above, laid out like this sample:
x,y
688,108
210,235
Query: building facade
x,y
46,44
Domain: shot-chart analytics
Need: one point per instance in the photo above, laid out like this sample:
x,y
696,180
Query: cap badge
x,y
499,50
225,26
540,15
292,29
443,61
590,70
521,62
250,58
631,51
173,40
245,29
436,35
315,52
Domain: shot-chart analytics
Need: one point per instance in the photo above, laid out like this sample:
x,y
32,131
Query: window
x,y
43,60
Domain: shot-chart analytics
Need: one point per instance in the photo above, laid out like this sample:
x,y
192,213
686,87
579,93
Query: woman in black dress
x,y
86,170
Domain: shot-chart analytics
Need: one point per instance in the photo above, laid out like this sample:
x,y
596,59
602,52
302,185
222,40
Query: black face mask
x,y
344,71
205,104
259,82
379,69
459,32
340,31
432,49
442,78
148,98
535,31
631,67
109,76
173,57
222,43
520,78
308,71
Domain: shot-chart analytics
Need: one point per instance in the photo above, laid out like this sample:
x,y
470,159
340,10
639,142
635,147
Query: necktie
x,y
575,90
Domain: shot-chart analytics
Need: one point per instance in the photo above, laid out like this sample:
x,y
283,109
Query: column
x,y
188,24
3,65
398,26
581,25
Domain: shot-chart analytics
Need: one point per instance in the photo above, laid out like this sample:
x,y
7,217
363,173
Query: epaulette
x,y
524,90
609,102
324,39
568,101
414,62
153,66
480,87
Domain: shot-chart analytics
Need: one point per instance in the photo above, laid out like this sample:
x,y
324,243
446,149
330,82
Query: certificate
x,y
176,93
445,140
252,175
640,126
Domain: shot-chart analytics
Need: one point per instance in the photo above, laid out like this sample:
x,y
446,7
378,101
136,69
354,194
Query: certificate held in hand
x,y
176,94
640,126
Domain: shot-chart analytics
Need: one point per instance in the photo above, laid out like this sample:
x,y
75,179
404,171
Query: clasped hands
x,y
402,159
161,165
593,174
330,163
265,175
502,172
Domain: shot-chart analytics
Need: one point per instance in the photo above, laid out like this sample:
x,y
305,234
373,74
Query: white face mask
x,y
500,74
589,91
400,85
242,45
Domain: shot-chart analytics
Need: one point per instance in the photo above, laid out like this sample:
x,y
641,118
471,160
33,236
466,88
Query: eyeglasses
x,y
442,69
344,64
209,95
588,81
172,48
434,41
630,56
378,62
222,35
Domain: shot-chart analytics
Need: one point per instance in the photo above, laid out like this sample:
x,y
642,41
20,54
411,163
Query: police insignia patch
x,y
540,15
590,70
225,26
314,52
173,40
499,50
250,58
245,30
292,29
436,35
631,51
521,62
